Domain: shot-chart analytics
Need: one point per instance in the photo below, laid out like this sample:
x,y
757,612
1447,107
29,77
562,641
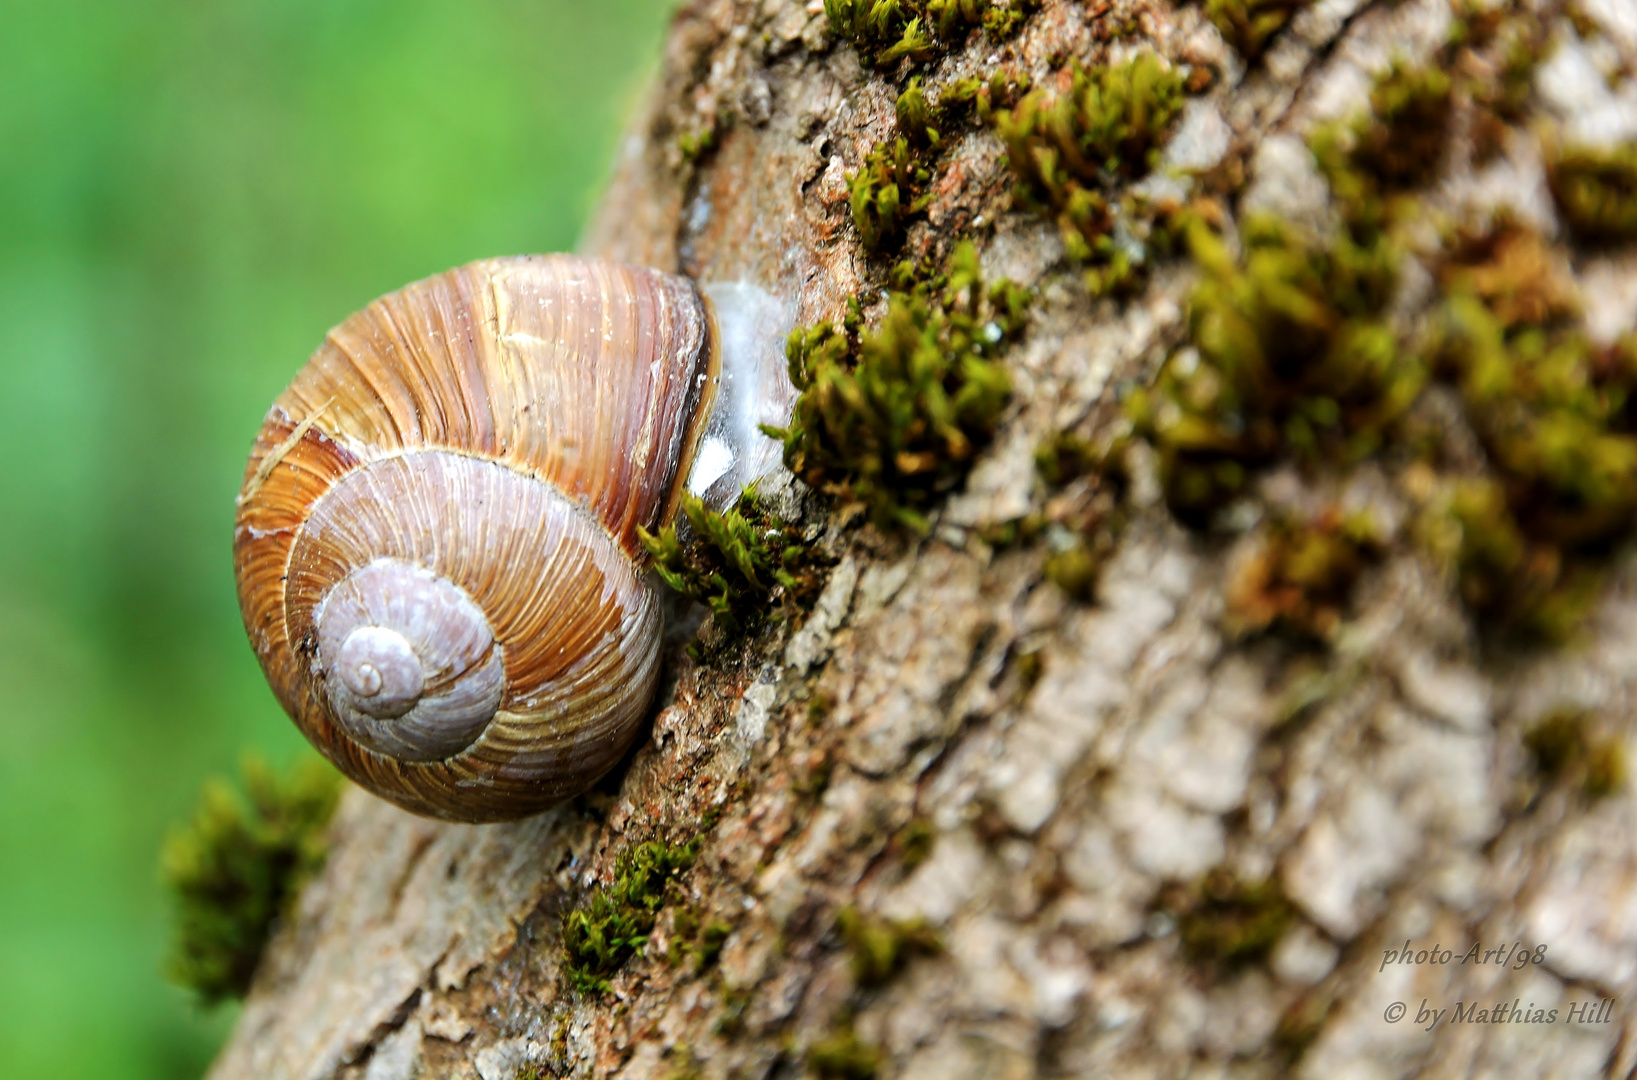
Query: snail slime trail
x,y
437,544
755,389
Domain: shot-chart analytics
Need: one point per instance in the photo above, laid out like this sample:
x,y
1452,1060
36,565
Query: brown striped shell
x,y
436,542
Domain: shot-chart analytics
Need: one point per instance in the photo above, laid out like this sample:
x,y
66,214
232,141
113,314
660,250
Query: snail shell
x,y
436,544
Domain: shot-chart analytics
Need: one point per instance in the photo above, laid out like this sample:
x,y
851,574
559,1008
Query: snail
x,y
436,543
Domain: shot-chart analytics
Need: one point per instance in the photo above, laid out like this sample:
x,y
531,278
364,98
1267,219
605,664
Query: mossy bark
x,y
1115,835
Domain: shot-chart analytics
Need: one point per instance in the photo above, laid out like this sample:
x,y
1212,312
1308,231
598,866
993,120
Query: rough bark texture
x,y
1066,763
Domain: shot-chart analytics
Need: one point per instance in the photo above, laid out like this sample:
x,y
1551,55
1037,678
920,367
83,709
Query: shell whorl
x,y
436,541
409,661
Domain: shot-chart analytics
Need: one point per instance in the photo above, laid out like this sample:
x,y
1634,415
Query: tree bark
x,y
1062,765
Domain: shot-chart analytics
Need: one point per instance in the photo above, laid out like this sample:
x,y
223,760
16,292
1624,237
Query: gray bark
x,y
1153,748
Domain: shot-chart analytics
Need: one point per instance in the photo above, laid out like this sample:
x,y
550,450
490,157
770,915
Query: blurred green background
x,y
191,193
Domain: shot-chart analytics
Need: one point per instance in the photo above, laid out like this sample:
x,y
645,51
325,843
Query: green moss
x,y
886,31
885,191
1030,666
914,841
1081,521
1566,749
819,707
711,939
684,925
1605,769
891,184
1558,741
879,948
614,923
1065,457
740,563
1596,190
981,97
1402,139
1495,53
1249,25
811,779
696,144
237,865
1554,420
703,944
1301,577
1557,419
1372,159
1070,149
919,119
1001,19
1293,356
1075,569
842,1055
892,416
925,122
735,1003
1230,922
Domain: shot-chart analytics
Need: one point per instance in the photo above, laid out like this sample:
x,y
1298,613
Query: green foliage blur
x,y
190,195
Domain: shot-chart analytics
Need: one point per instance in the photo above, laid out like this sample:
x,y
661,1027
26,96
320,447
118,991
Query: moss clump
x,y
913,843
693,145
1075,569
882,31
690,939
890,186
919,119
1226,921
885,191
925,122
1371,160
1069,149
708,946
1065,457
1001,17
1596,190
1109,123
1302,575
237,865
735,1003
1401,140
1084,511
1557,419
880,948
892,417
1249,25
1510,270
1565,749
614,924
1292,354
1495,53
842,1055
886,31
740,563
1500,576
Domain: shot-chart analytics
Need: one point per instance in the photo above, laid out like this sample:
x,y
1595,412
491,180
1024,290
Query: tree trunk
x,y
959,824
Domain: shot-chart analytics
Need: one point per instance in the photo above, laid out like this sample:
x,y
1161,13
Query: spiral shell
x,y
436,541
